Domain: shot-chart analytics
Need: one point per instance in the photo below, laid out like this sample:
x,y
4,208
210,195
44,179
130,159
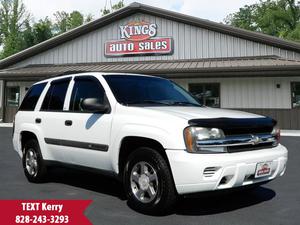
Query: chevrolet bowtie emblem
x,y
255,140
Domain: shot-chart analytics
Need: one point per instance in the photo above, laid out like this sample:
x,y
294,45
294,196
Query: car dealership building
x,y
223,66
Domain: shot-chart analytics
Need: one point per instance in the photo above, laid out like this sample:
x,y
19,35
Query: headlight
x,y
194,134
276,134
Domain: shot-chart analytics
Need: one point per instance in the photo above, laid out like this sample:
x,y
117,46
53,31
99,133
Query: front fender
x,y
164,137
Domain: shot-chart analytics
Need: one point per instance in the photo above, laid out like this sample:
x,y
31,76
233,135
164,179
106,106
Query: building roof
x,y
141,8
198,68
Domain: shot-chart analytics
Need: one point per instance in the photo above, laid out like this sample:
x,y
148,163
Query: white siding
x,y
251,93
189,42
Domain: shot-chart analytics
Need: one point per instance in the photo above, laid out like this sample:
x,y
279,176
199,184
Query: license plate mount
x,y
263,169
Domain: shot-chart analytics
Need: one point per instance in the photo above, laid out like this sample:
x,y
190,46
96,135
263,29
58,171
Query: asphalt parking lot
x,y
276,203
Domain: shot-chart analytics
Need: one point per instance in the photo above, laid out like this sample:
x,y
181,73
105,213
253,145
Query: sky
x,y
214,10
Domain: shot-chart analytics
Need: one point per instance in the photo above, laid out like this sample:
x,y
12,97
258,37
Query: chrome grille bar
x,y
238,140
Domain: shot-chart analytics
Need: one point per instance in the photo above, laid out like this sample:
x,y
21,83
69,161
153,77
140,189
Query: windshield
x,y
143,90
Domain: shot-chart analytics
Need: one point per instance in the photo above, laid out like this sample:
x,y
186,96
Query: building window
x,y
12,96
295,94
208,94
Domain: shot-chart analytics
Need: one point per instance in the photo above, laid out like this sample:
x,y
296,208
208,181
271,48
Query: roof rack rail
x,y
70,72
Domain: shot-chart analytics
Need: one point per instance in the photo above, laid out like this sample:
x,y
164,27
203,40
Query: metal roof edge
x,y
222,28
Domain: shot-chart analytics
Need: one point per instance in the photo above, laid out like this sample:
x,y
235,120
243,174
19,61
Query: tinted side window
x,y
32,97
85,88
55,97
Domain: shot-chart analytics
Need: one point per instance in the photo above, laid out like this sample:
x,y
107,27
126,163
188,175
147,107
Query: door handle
x,y
38,120
68,122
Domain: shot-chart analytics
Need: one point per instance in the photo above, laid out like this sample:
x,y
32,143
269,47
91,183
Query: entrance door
x,y
12,101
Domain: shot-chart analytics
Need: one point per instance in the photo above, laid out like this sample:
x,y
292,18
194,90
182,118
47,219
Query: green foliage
x,y
113,8
61,20
13,16
39,32
18,31
75,19
28,36
42,31
67,21
244,18
279,18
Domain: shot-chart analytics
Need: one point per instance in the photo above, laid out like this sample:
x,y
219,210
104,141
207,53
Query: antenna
x,y
105,5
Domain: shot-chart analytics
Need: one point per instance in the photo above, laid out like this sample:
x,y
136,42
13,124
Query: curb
x,y
6,125
290,133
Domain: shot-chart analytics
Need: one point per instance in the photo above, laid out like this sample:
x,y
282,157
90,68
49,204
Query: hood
x,y
202,112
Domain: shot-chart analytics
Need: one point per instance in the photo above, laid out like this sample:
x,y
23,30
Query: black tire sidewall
x,y
165,188
41,171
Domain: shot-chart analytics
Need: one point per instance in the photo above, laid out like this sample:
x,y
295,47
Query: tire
x,y
33,164
154,178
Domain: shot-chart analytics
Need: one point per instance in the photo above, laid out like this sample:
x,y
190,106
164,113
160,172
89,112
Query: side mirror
x,y
93,105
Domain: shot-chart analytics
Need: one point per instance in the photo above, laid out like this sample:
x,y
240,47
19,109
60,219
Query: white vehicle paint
x,y
94,139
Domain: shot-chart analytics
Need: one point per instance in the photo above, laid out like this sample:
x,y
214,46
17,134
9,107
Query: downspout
x,y
3,100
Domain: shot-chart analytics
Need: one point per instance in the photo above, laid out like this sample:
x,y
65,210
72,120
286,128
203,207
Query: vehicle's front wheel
x,y
148,182
33,164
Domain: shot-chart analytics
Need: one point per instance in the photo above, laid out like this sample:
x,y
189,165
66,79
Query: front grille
x,y
239,143
243,148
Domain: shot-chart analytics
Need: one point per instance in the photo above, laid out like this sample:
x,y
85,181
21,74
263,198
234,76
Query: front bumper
x,y
206,172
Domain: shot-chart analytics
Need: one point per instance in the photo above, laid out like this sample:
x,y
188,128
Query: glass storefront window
x,y
296,95
208,94
12,96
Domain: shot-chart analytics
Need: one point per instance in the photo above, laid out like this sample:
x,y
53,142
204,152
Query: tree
x,y
74,20
66,21
89,18
39,32
42,30
18,31
113,8
27,35
13,17
279,18
61,19
245,18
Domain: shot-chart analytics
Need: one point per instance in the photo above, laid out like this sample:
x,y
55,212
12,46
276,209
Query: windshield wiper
x,y
184,103
147,102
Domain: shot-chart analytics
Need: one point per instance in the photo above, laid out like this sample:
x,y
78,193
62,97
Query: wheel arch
x,y
26,136
27,131
131,143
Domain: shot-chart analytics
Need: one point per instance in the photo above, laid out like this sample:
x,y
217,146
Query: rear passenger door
x,y
86,135
51,118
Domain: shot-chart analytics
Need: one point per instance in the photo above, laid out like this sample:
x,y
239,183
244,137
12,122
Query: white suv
x,y
146,131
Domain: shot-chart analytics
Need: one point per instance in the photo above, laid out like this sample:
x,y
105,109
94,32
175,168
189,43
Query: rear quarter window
x,y
32,97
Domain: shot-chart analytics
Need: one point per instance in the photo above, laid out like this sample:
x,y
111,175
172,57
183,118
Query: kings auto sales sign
x,y
139,38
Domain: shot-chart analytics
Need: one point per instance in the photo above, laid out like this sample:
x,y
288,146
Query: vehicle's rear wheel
x,y
33,164
148,182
